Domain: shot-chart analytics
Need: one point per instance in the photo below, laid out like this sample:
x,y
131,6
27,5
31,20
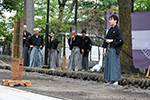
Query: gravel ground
x,y
73,89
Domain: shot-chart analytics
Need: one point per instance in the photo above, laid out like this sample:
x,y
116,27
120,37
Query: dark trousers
x,y
85,62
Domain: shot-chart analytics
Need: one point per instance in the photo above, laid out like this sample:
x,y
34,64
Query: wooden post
x,y
148,72
16,69
17,54
64,53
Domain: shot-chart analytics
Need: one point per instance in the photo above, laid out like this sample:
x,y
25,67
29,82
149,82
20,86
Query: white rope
x,y
4,63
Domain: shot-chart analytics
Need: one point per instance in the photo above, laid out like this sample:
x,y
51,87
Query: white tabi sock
x,y
110,82
115,83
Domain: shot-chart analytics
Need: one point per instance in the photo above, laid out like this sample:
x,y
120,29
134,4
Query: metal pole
x,y
76,8
47,32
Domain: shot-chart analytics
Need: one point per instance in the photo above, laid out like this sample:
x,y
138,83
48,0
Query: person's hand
x,y
24,38
40,47
72,37
82,50
28,35
31,46
88,50
109,40
48,38
104,53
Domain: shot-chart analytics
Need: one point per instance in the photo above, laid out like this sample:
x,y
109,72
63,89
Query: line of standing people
x,y
32,49
80,48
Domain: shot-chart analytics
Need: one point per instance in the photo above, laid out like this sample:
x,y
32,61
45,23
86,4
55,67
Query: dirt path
x,y
72,89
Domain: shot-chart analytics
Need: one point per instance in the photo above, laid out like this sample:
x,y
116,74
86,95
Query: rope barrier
x,y
4,63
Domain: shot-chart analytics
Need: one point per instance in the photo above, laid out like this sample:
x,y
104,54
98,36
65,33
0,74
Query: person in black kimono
x,y
53,52
86,44
75,44
35,43
113,45
26,36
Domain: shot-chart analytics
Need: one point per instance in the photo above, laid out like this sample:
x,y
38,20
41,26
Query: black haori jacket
x,y
76,42
86,44
53,44
115,34
35,41
27,36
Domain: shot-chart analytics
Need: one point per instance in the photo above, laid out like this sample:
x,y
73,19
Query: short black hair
x,y
83,31
114,17
53,32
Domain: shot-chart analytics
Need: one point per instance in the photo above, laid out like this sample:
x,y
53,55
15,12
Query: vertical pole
x,y
46,35
64,53
21,23
16,42
13,42
76,8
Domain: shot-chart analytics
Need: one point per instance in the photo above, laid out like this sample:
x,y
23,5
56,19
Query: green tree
x,y
10,5
141,5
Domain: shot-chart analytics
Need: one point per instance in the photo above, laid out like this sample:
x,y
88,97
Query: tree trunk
x,y
29,14
126,25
